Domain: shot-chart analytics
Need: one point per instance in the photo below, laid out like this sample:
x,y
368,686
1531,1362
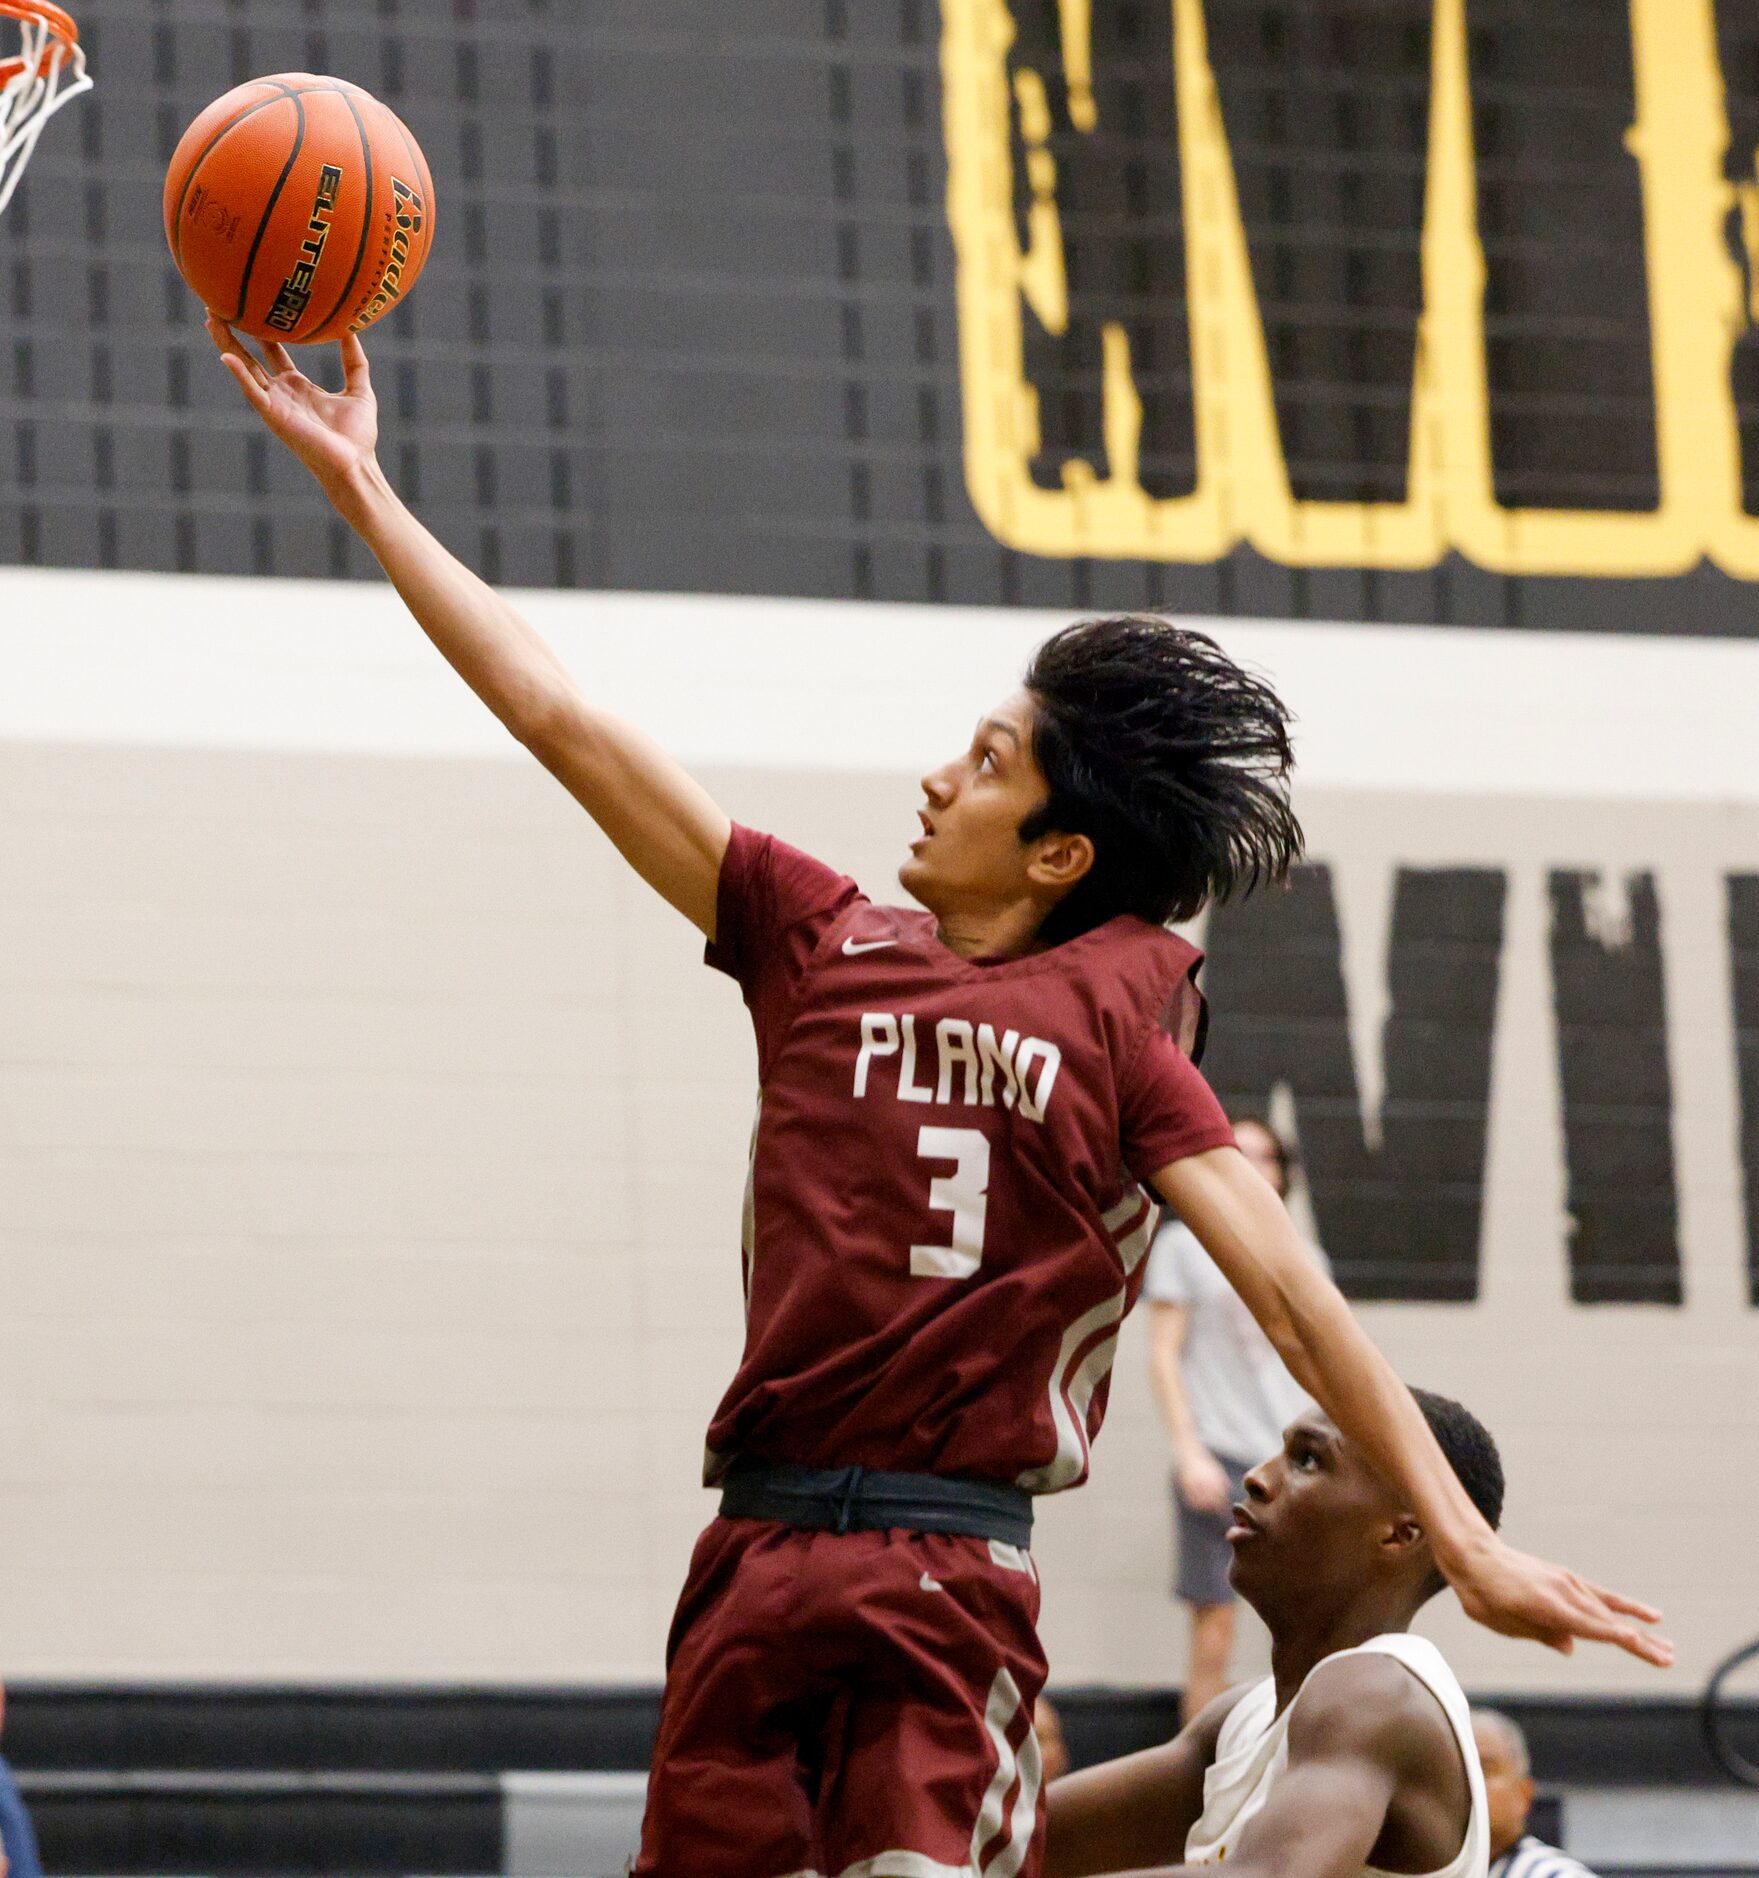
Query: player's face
x,y
1315,1518
969,855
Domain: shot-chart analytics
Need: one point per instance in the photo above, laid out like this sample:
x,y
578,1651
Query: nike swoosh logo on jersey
x,y
852,948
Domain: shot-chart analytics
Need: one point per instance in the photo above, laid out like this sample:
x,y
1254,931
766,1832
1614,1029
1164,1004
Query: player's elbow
x,y
1283,1327
547,719
1295,1355
1302,1311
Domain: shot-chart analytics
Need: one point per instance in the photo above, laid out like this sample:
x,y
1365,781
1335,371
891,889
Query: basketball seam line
x,y
367,215
225,130
269,208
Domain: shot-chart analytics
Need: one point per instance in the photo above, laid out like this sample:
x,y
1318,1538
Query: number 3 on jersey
x,y
964,1193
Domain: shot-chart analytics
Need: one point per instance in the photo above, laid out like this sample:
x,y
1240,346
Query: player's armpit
x,y
1134,1811
658,817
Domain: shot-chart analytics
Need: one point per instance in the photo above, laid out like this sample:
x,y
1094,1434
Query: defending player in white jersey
x,y
1355,1755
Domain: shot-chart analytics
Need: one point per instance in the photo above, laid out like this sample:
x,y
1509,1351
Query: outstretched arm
x,y
1134,1811
1356,1736
1245,1228
662,822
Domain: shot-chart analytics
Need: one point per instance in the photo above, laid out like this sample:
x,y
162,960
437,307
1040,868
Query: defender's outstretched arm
x,y
1355,1733
663,823
1136,1811
1246,1229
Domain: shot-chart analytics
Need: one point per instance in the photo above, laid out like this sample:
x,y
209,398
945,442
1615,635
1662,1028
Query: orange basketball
x,y
299,208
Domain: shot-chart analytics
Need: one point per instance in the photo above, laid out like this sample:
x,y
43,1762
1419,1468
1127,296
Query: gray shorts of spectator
x,y
1201,1575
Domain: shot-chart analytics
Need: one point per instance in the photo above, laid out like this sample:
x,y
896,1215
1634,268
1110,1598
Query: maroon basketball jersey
x,y
944,1222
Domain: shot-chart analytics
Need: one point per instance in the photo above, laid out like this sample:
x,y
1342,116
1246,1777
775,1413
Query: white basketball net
x,y
48,74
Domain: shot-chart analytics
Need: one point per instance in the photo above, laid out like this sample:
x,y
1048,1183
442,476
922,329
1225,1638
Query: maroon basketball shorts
x,y
848,1703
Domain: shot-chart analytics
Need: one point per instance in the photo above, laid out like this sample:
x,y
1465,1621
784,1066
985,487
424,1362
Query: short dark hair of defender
x,y
1170,758
1471,1452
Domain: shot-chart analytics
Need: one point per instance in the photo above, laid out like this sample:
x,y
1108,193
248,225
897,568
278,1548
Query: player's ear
x,y
1059,861
1405,1532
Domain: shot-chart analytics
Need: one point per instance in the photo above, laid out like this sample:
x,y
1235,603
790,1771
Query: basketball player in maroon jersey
x,y
963,1112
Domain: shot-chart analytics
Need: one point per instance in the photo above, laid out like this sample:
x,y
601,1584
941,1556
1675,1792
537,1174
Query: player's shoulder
x,y
1205,1728
754,855
1127,965
1368,1702
1131,939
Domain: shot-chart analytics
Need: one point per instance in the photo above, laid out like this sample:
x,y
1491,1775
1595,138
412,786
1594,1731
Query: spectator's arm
x,y
1202,1478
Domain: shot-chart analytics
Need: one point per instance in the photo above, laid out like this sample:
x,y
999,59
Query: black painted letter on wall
x,y
1617,1097
1400,1220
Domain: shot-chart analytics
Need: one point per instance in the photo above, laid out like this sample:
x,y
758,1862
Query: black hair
x,y
1470,1448
1170,758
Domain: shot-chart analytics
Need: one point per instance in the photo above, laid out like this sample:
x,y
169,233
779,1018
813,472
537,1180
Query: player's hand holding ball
x,y
334,434
300,209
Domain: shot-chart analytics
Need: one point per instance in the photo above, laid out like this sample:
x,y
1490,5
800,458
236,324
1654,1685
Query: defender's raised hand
x,y
332,433
1522,1596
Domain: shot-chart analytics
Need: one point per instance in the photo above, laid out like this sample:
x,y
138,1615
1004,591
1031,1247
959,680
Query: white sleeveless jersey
x,y
1253,1750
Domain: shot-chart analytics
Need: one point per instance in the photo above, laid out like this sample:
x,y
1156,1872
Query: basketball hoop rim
x,y
47,70
58,20
60,26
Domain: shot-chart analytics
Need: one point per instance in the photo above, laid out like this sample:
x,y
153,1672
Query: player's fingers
x,y
1625,1606
356,375
232,347
248,382
1642,1644
225,340
1598,1624
1648,1648
278,356
1606,1608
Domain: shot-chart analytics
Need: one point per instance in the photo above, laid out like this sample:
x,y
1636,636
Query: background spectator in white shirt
x,y
1226,1399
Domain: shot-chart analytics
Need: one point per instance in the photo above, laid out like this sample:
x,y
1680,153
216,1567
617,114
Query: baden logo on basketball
x,y
408,217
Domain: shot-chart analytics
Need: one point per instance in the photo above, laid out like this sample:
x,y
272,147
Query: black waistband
x,y
860,1499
